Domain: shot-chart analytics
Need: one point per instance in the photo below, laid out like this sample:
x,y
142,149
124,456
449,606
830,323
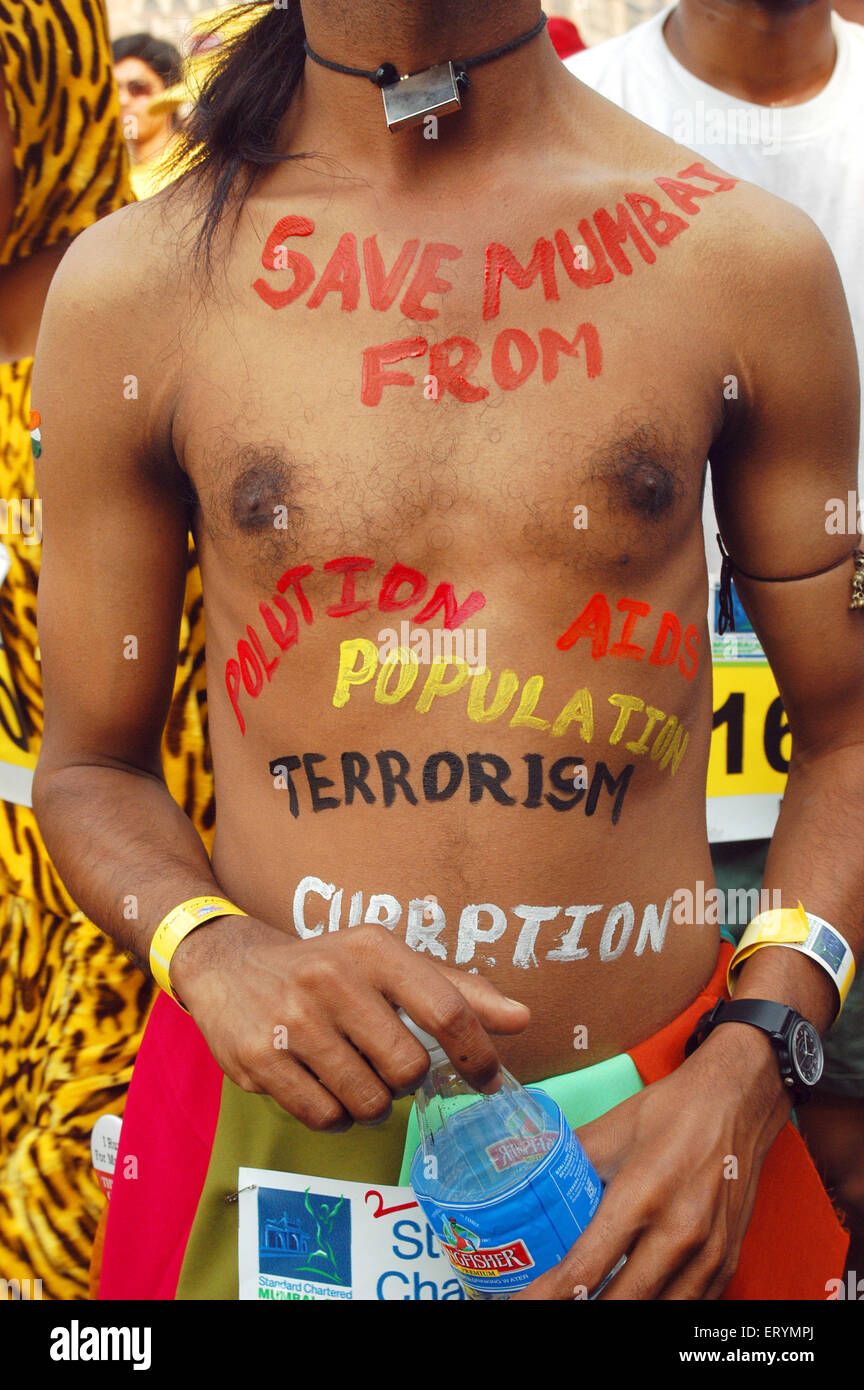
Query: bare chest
x,y
356,387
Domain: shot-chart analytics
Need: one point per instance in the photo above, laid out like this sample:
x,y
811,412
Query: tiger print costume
x,y
72,1008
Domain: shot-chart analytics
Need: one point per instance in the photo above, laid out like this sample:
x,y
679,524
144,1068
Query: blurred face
x,y
783,6
138,85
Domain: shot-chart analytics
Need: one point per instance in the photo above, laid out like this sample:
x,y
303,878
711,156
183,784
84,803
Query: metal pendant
x,y
430,93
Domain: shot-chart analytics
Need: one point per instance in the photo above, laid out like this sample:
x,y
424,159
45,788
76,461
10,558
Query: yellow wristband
x,y
804,932
179,922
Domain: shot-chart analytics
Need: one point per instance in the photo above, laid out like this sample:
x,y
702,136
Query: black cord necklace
x,y
410,99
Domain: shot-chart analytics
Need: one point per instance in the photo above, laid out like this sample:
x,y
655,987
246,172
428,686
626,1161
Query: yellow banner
x,y
751,743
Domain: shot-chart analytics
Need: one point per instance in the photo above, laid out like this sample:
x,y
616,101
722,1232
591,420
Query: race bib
x,y
318,1238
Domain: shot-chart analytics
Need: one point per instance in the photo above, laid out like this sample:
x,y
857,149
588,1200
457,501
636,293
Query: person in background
x,y
144,68
770,92
72,1007
566,39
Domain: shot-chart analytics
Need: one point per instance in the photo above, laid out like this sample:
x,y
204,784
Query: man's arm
x,y
794,448
110,600
113,569
789,446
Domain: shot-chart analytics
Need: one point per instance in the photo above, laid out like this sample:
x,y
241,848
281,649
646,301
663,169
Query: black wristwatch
x,y
795,1041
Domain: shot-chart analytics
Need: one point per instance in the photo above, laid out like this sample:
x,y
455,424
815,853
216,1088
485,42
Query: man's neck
x,y
771,54
343,115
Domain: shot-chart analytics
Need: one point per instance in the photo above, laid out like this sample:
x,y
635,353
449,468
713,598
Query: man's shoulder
x,y
770,270
763,230
746,242
132,258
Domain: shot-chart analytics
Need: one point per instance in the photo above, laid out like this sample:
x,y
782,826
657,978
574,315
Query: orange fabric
x,y
795,1242
96,1254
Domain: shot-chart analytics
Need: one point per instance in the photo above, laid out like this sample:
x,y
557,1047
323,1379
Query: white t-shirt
x,y
811,154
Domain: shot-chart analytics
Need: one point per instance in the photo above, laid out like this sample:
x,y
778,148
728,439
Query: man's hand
x,y
673,1202
313,1023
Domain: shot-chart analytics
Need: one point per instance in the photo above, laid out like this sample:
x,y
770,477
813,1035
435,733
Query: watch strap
x,y
766,1014
778,1021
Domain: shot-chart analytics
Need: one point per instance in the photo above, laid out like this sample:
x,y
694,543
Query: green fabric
x,y
254,1132
583,1096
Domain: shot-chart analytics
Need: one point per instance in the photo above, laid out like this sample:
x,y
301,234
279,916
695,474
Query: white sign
x,y
318,1238
104,1143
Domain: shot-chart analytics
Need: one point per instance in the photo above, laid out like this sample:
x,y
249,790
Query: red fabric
x,y
566,39
168,1129
794,1243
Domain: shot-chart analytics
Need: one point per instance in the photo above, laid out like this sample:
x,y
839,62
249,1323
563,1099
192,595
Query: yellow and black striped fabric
x,y
70,160
72,1007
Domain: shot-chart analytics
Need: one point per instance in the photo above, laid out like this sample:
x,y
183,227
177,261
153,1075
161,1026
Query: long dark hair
x,y
230,135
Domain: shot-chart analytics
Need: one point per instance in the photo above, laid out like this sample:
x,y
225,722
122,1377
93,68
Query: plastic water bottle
x,y
503,1181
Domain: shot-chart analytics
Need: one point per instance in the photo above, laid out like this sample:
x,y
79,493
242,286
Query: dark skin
x,y
484,496
23,283
770,52
780,55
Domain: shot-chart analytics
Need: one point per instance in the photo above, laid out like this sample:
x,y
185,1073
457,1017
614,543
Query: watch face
x,y
805,1050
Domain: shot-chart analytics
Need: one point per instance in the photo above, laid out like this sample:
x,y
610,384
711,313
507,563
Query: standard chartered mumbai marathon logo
x,y
77,1343
700,125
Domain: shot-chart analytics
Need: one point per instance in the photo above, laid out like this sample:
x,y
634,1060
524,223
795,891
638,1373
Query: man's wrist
x,y
746,1056
744,1051
748,1051
200,949
787,977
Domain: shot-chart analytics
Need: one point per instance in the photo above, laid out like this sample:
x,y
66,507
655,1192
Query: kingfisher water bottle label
x,y
469,1258
498,1246
507,1153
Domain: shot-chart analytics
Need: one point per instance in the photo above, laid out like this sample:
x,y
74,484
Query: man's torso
x,y
537,490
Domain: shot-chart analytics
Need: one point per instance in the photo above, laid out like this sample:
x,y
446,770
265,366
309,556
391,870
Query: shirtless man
x,y
380,408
